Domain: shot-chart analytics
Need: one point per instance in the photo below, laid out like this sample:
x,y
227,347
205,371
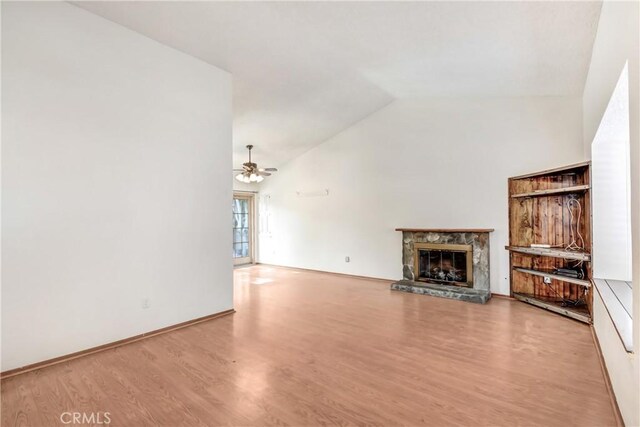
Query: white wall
x,y
116,187
416,163
241,186
616,43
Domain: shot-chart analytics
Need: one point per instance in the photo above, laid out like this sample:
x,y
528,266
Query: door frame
x,y
251,199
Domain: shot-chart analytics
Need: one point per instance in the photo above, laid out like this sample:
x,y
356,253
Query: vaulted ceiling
x,y
304,71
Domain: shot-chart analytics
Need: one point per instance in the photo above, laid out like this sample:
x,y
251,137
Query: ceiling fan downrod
x,y
249,147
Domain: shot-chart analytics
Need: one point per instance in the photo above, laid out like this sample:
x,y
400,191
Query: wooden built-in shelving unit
x,y
538,214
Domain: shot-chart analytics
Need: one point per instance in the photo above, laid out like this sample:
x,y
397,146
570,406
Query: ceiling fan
x,y
250,172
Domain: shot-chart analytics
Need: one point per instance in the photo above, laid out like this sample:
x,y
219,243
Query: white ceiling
x,y
304,71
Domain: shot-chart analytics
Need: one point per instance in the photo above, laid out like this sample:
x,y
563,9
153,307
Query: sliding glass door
x,y
242,228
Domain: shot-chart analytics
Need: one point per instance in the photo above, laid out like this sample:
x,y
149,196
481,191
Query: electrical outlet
x,y
145,303
347,259
547,280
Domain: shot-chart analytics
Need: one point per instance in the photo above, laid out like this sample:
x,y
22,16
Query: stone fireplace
x,y
450,263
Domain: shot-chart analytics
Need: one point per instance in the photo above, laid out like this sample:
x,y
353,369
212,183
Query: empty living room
x,y
320,213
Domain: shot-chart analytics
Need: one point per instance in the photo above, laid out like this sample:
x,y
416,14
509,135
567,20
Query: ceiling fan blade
x,y
269,170
238,170
264,174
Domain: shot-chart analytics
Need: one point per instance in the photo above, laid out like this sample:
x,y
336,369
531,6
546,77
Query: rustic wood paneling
x,y
543,218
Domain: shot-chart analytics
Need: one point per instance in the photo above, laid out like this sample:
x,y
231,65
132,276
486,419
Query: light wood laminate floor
x,y
308,348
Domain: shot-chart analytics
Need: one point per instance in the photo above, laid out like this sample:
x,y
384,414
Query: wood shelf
x,y
578,313
553,191
551,252
581,282
556,171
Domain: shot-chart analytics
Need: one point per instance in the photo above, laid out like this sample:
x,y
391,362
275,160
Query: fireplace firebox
x,y
444,263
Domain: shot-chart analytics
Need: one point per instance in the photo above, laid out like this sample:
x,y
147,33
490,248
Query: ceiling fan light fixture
x,y
250,172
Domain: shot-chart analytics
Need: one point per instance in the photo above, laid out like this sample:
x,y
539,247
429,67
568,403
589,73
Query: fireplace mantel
x,y
446,230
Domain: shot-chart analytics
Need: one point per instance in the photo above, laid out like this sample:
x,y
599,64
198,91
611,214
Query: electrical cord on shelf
x,y
572,204
576,244
565,301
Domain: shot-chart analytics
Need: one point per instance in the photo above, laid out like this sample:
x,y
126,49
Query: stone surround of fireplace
x,y
449,263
